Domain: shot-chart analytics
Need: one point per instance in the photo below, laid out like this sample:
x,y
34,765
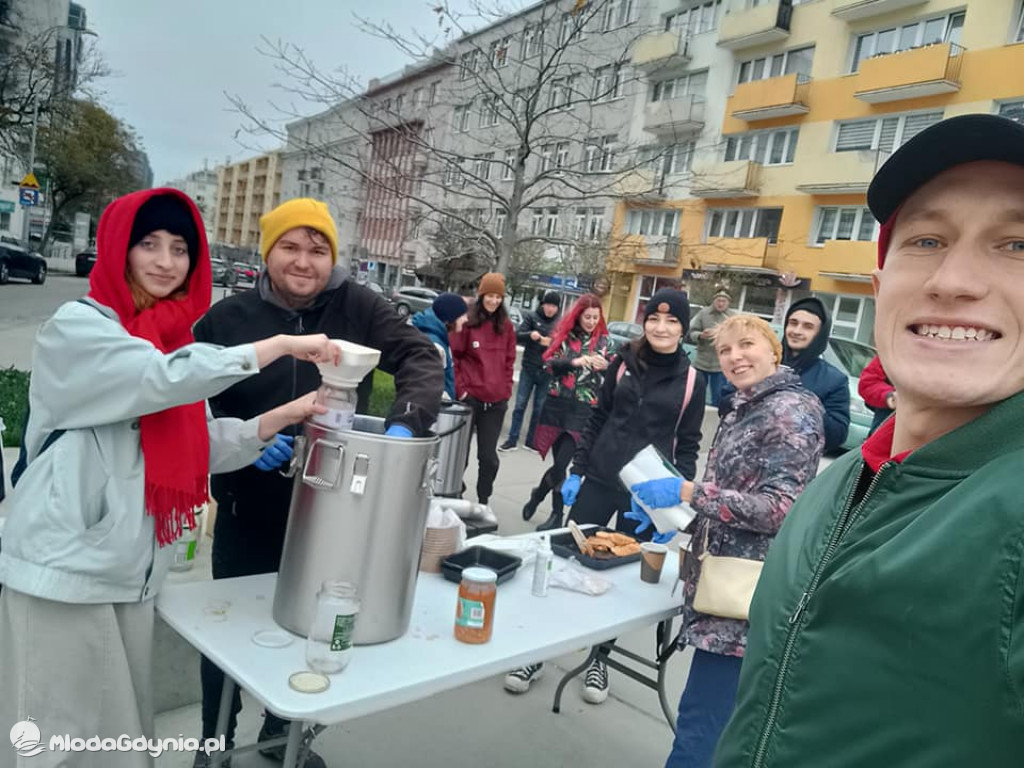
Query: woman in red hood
x,y
119,445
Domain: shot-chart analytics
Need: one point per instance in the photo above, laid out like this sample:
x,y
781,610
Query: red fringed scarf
x,y
175,442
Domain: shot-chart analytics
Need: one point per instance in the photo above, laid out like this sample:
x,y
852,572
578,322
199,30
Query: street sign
x,y
29,182
28,197
6,206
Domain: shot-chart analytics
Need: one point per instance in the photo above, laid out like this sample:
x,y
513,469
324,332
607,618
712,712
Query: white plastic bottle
x,y
542,567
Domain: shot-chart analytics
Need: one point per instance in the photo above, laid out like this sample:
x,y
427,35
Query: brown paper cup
x,y
652,560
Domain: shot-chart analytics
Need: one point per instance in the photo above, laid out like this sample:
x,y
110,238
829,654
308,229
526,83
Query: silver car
x,y
409,299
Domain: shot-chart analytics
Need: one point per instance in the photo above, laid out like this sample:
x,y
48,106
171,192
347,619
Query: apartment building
x,y
202,187
245,191
819,94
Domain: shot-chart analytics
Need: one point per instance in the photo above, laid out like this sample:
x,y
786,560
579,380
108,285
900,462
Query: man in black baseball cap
x,y
888,624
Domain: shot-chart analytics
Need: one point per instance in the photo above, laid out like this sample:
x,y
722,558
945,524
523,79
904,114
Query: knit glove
x,y
277,453
571,489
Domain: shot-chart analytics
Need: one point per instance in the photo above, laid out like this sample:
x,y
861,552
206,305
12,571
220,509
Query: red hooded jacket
x,y
484,361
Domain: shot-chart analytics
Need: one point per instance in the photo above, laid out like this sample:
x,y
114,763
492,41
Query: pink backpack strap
x,y
620,373
691,379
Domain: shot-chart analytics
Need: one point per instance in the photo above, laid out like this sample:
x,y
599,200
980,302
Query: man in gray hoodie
x,y
701,332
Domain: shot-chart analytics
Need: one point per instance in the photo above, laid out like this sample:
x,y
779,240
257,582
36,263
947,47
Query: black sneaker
x,y
268,732
595,683
518,680
204,760
508,445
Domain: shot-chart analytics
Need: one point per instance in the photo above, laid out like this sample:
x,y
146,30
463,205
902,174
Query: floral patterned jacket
x,y
766,451
579,384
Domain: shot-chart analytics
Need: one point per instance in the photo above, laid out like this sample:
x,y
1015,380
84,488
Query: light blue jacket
x,y
76,529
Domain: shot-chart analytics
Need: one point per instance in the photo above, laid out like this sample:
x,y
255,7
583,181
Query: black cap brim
x,y
959,140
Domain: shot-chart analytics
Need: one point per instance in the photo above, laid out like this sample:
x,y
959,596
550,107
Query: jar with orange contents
x,y
474,615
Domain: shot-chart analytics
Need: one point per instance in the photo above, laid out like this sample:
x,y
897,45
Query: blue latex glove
x,y
275,454
660,493
398,430
571,489
638,515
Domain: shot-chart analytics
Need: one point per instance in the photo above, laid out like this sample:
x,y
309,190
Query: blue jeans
x,y
716,380
704,709
531,381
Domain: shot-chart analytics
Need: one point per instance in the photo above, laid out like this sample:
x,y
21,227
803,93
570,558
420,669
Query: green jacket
x,y
887,630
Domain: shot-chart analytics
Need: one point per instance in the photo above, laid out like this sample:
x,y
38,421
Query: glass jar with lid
x,y
340,403
329,643
474,614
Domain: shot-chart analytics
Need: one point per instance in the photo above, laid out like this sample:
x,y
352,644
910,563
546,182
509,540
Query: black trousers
x,y
597,502
551,482
487,421
243,545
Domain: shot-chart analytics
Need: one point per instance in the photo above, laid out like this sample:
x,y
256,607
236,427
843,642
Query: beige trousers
x,y
76,670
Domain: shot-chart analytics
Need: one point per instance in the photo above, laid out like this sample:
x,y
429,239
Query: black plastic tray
x,y
472,557
564,545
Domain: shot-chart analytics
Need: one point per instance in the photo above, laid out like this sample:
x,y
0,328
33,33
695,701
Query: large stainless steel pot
x,y
453,428
358,512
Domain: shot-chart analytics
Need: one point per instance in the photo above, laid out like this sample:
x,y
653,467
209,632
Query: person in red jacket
x,y
878,392
485,354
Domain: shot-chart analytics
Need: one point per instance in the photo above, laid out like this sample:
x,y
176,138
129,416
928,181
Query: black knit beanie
x,y
670,300
552,297
169,213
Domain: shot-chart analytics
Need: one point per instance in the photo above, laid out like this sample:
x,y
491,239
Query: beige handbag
x,y
726,584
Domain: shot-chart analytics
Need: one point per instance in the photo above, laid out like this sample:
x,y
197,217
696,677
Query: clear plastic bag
x,y
575,578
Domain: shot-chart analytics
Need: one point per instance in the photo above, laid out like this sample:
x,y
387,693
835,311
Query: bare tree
x,y
531,117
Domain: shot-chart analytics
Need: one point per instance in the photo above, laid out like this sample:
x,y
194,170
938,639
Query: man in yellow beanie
x,y
300,291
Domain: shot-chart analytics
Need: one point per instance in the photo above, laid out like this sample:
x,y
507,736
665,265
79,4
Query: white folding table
x,y
219,618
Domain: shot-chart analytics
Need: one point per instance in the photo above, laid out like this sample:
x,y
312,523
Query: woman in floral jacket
x,y
766,451
575,361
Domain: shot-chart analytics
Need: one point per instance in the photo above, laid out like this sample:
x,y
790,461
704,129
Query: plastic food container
x,y
505,566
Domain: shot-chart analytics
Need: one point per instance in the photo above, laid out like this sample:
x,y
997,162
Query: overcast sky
x,y
174,59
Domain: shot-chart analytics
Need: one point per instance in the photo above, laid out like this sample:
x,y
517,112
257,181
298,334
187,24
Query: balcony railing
x,y
851,260
675,118
728,179
841,173
774,97
653,251
661,52
910,74
756,26
749,252
852,10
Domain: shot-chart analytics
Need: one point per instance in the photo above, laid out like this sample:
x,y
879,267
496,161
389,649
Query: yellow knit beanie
x,y
300,212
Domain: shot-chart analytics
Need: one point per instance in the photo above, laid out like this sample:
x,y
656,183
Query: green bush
x,y
383,395
13,403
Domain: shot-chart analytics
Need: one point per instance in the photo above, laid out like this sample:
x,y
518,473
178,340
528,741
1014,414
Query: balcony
x,y
925,71
675,118
747,252
853,10
755,26
848,260
775,97
639,184
728,179
652,251
662,53
841,173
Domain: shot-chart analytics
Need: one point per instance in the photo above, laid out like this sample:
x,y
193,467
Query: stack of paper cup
x,y
649,464
438,543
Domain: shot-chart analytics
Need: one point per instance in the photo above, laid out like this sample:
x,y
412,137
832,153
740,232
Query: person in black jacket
x,y
301,291
805,338
535,335
642,402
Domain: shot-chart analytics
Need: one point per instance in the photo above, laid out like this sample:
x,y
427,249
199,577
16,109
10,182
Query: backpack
x,y
691,379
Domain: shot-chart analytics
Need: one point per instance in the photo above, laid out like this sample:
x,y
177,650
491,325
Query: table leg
x,y
556,706
227,693
291,750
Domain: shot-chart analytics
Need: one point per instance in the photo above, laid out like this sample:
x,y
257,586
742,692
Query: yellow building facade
x,y
245,191
822,93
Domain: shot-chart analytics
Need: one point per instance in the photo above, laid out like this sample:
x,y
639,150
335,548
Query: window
x,y
499,223
417,98
563,90
432,100
589,222
1013,110
453,174
765,147
694,83
571,27
608,153
845,223
702,17
509,165
608,82
546,158
499,51
5,221
562,150
537,222
489,112
533,41
744,222
468,64
655,222
617,13
461,117
1019,36
668,160
798,60
482,165
551,223
944,29
883,133
399,102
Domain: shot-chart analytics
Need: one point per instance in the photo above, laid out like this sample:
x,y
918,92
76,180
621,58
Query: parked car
x,y
223,273
16,261
375,287
620,332
851,357
245,271
515,315
84,262
408,299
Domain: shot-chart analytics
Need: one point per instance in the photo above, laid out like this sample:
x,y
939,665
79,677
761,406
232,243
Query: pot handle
x,y
315,479
298,455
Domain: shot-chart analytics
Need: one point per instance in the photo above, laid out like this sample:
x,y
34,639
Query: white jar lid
x,y
480,575
309,682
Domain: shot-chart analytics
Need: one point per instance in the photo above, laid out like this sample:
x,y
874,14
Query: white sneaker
x,y
518,680
595,683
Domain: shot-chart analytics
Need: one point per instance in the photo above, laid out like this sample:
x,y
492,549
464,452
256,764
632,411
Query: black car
x,y
84,262
18,262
